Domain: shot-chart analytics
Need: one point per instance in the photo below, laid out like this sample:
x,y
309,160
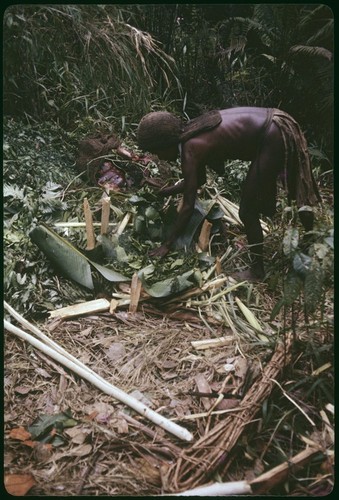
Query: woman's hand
x,y
174,189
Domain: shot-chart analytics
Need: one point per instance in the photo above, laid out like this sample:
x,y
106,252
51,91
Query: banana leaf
x,y
172,285
199,214
69,261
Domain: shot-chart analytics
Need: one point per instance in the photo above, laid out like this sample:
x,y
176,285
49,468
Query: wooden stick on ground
x,y
271,478
92,306
204,237
211,343
259,485
120,229
135,293
106,206
89,225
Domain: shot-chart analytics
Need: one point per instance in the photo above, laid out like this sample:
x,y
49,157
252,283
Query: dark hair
x,y
158,130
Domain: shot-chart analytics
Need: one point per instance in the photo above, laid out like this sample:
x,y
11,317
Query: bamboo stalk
x,y
89,225
218,489
120,229
80,224
135,293
271,478
105,210
211,343
92,306
84,372
55,351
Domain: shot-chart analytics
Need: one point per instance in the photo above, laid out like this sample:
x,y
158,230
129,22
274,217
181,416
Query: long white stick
x,y
102,384
218,489
45,338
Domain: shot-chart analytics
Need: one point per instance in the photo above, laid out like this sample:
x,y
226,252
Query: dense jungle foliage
x,y
113,63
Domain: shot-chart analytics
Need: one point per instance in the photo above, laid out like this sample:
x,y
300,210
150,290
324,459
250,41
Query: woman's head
x,y
159,131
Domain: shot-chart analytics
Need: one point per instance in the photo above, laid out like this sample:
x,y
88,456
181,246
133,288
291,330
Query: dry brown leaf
x,y
43,372
116,352
149,469
20,433
87,331
227,404
22,389
100,411
203,387
42,451
241,367
92,415
167,364
63,384
78,451
77,435
19,484
30,443
122,426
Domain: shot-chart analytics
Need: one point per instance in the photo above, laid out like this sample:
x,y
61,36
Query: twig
x,y
150,433
294,402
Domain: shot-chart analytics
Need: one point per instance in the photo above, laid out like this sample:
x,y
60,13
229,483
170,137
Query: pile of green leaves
x,y
40,187
37,169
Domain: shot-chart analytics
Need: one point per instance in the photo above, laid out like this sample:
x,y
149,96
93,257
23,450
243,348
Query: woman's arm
x,y
190,188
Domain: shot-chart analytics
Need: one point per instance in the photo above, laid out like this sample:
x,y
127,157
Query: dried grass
x,y
121,453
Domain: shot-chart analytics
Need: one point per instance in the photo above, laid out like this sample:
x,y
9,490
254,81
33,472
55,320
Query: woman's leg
x,y
259,196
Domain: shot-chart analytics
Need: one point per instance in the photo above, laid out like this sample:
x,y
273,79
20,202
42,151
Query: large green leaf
x,y
109,274
290,241
170,286
199,214
68,260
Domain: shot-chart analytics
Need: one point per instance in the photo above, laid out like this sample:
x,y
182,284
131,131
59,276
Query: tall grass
x,y
68,61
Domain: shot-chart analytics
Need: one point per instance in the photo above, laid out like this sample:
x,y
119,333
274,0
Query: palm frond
x,y
308,51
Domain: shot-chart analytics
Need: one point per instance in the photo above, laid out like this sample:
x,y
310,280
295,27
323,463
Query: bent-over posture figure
x,y
269,138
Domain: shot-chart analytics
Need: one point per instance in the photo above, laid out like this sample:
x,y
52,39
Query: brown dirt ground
x,y
107,453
